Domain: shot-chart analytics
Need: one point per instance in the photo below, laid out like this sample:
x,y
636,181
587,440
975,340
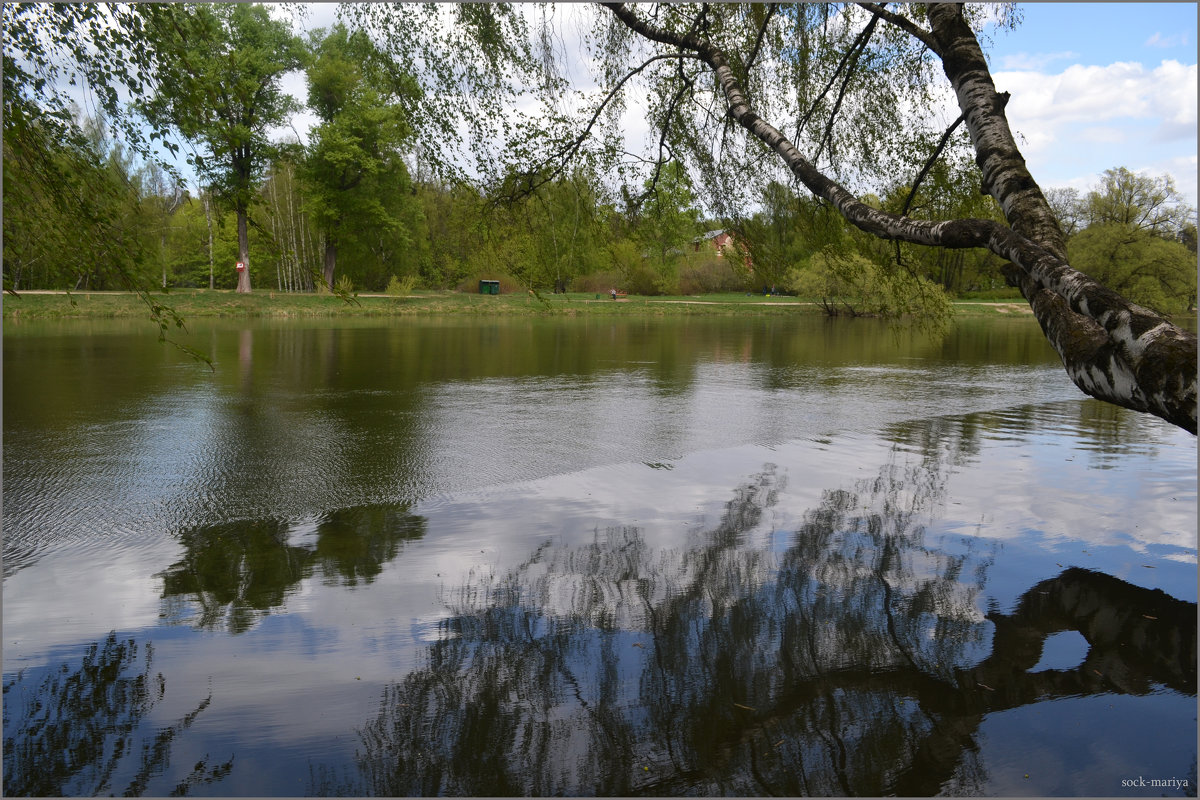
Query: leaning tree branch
x,y
1112,349
905,24
1001,165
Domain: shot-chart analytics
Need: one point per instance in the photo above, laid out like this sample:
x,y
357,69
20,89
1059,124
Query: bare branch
x,y
564,155
858,42
903,23
688,83
857,51
937,151
762,30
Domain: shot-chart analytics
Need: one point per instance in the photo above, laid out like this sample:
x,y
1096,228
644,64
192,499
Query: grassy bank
x,y
204,303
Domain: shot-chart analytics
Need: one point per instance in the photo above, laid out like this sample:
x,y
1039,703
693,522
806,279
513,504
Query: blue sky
x,y
1100,33
1101,85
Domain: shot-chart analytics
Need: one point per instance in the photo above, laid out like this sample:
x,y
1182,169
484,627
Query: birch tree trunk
x,y
1112,349
205,200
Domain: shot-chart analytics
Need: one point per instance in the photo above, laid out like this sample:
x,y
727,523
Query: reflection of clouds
x,y
607,563
858,650
1039,492
726,631
511,430
51,607
1065,510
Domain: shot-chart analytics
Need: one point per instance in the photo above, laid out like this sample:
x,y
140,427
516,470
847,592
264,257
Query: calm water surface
x,y
684,556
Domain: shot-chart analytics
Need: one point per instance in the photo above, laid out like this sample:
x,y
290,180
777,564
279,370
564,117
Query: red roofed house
x,y
721,241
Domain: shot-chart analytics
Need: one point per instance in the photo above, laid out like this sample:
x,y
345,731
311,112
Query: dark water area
x,y
593,557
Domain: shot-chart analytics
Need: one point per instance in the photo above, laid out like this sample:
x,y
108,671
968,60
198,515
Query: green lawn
x,y
194,303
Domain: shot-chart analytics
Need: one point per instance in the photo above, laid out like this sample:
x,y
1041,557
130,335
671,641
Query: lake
x,y
677,556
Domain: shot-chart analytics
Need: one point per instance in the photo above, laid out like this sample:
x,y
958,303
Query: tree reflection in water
x,y
78,729
853,662
240,571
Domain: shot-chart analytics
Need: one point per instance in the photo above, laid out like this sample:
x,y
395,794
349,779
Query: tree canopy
x,y
219,85
354,165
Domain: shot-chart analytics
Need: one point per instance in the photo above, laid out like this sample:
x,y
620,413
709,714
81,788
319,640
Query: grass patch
x,y
197,303
991,308
204,303
1004,293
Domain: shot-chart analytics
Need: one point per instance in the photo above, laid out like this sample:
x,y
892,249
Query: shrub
x,y
711,274
401,287
848,283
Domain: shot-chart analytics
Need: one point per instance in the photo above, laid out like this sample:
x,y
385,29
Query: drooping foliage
x,y
55,55
73,212
722,97
472,61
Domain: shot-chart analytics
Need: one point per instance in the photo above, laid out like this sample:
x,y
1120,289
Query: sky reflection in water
x,y
692,574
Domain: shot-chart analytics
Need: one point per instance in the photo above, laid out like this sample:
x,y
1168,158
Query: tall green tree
x,y
548,238
1138,202
1151,270
293,235
165,195
1131,234
667,222
187,244
68,194
355,165
220,86
457,234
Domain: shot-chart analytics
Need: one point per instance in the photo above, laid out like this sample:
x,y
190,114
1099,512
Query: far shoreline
x,y
205,303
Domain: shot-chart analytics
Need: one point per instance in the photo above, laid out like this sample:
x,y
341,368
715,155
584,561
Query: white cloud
x,y
1092,93
1103,134
1076,123
1158,40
